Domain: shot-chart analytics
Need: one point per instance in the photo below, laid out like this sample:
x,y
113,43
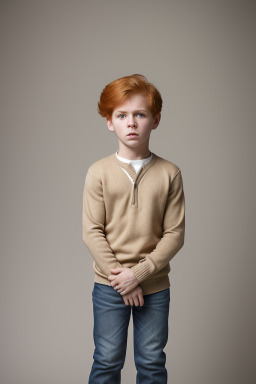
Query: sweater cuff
x,y
141,270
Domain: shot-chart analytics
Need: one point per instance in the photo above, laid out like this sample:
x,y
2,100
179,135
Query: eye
x,y
140,114
121,116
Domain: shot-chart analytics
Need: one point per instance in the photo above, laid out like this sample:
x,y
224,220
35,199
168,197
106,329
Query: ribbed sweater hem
x,y
148,286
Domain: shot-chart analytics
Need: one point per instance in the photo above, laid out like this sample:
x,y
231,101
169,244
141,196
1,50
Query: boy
x,y
133,225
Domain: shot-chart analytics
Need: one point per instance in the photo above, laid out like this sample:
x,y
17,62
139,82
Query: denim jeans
x,y
150,325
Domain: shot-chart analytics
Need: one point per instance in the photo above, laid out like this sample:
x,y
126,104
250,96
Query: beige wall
x,y
56,57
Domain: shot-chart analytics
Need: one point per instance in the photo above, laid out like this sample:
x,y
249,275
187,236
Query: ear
x,y
156,121
109,123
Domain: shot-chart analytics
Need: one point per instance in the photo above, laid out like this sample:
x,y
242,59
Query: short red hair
x,y
119,90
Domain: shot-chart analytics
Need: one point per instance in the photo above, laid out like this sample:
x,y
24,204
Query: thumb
x,y
116,270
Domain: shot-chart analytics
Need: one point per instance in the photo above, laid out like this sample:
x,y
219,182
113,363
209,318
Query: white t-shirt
x,y
135,163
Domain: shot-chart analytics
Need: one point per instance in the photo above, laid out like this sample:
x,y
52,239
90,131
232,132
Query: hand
x,y
135,297
123,280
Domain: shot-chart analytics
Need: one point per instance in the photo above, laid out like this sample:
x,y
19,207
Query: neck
x,y
132,154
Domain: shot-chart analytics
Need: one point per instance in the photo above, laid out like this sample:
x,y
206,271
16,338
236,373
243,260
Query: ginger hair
x,y
116,92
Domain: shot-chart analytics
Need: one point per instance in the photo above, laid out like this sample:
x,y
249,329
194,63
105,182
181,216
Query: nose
x,y
131,122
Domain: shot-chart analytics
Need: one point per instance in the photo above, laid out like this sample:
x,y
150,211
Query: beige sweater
x,y
139,225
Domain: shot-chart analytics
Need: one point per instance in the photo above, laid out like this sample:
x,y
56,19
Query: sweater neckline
x,y
129,168
137,161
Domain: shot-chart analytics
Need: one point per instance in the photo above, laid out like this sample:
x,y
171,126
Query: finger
x,y
136,301
116,270
131,301
119,289
127,290
123,291
111,277
126,301
141,299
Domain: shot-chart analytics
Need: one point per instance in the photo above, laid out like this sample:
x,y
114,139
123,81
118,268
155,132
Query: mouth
x,y
132,134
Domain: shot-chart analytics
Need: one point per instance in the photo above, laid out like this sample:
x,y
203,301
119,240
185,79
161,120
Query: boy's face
x,y
135,116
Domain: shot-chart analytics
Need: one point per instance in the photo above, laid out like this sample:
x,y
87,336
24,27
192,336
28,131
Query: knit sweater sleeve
x,y
93,223
173,233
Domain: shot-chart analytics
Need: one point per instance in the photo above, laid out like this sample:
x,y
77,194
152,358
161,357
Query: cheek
x,y
120,130
146,127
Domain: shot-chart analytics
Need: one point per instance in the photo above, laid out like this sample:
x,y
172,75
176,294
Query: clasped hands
x,y
123,280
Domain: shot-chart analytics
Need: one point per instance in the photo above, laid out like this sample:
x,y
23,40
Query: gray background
x,y
56,57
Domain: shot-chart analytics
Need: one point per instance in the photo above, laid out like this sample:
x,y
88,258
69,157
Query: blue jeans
x,y
150,325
